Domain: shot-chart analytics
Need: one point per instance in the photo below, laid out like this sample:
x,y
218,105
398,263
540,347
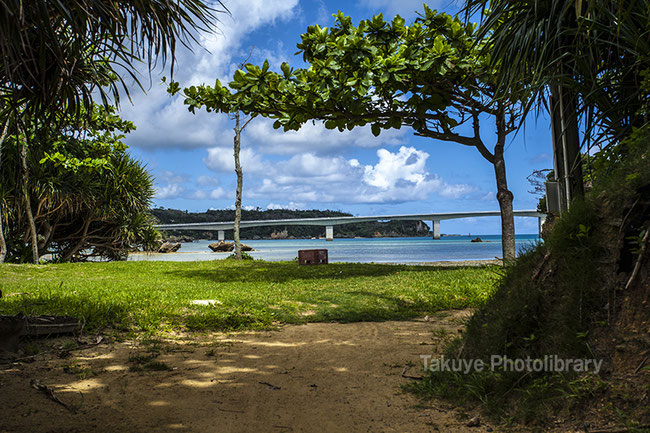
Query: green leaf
x,y
376,129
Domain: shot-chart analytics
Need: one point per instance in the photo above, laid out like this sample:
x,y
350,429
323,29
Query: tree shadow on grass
x,y
282,272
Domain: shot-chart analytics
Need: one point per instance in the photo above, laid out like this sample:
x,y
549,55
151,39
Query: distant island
x,y
356,230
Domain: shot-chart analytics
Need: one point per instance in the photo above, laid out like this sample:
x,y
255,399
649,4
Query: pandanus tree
x,y
589,57
430,76
60,55
90,198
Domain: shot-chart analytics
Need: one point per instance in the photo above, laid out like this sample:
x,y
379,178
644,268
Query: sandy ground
x,y
319,377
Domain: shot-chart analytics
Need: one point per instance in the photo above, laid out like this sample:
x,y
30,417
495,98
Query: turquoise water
x,y
378,250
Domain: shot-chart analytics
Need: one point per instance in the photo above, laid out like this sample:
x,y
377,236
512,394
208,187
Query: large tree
x,y
60,55
429,76
87,195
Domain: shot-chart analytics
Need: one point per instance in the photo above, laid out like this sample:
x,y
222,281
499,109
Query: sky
x,y
191,155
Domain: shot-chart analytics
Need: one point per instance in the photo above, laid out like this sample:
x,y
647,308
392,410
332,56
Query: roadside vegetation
x,y
582,294
153,296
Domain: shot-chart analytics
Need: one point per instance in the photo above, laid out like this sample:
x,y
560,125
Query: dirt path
x,y
320,377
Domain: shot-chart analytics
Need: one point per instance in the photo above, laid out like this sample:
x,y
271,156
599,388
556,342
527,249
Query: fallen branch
x,y
409,376
49,393
271,386
639,259
641,365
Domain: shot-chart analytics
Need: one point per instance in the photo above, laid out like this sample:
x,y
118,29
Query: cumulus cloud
x,y
169,176
169,191
214,194
221,159
397,177
207,181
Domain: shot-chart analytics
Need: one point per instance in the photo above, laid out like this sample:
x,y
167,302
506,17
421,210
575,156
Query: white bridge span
x,y
330,222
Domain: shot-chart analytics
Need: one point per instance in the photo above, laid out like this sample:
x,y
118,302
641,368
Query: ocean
x,y
365,250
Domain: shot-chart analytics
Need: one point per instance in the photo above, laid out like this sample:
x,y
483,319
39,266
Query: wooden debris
x,y
49,393
271,386
409,376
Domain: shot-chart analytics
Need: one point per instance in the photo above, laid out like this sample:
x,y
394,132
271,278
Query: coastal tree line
x,y
365,230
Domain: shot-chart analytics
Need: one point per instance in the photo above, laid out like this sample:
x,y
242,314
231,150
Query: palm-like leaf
x,y
56,50
598,49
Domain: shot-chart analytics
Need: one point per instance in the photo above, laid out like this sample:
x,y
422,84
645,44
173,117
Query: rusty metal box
x,y
312,257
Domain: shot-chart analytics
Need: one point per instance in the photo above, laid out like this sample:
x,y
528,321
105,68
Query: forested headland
x,y
365,230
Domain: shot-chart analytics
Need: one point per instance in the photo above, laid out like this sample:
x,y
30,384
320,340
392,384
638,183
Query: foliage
x,y
244,256
56,54
90,197
370,229
560,298
381,73
249,294
598,49
430,76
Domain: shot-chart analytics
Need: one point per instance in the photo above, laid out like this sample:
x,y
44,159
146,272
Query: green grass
x,y
151,296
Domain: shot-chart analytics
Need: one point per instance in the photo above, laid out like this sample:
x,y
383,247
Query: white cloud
x,y
221,159
207,181
395,178
204,195
169,191
407,165
290,206
169,176
315,138
163,121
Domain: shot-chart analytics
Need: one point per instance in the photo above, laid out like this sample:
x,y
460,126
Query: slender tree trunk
x,y
28,204
567,160
558,148
574,159
238,171
3,243
504,196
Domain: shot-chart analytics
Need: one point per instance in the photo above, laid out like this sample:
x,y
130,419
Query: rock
x,y
222,247
245,247
169,247
474,422
280,235
477,240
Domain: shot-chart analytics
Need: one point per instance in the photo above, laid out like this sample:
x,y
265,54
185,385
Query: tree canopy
x,y
89,197
55,54
431,76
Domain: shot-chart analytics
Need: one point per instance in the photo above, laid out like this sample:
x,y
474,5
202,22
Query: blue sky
x,y
314,168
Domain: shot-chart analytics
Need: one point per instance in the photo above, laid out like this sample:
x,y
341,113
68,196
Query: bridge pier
x,y
221,235
329,233
540,222
435,227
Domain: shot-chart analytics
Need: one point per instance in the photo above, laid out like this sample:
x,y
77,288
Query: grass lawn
x,y
149,296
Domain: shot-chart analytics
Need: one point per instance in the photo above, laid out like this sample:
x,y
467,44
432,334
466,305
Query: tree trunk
x,y
28,205
567,160
504,196
558,148
68,255
239,173
574,159
3,243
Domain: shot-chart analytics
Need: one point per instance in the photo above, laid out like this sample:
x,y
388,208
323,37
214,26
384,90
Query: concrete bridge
x,y
330,222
